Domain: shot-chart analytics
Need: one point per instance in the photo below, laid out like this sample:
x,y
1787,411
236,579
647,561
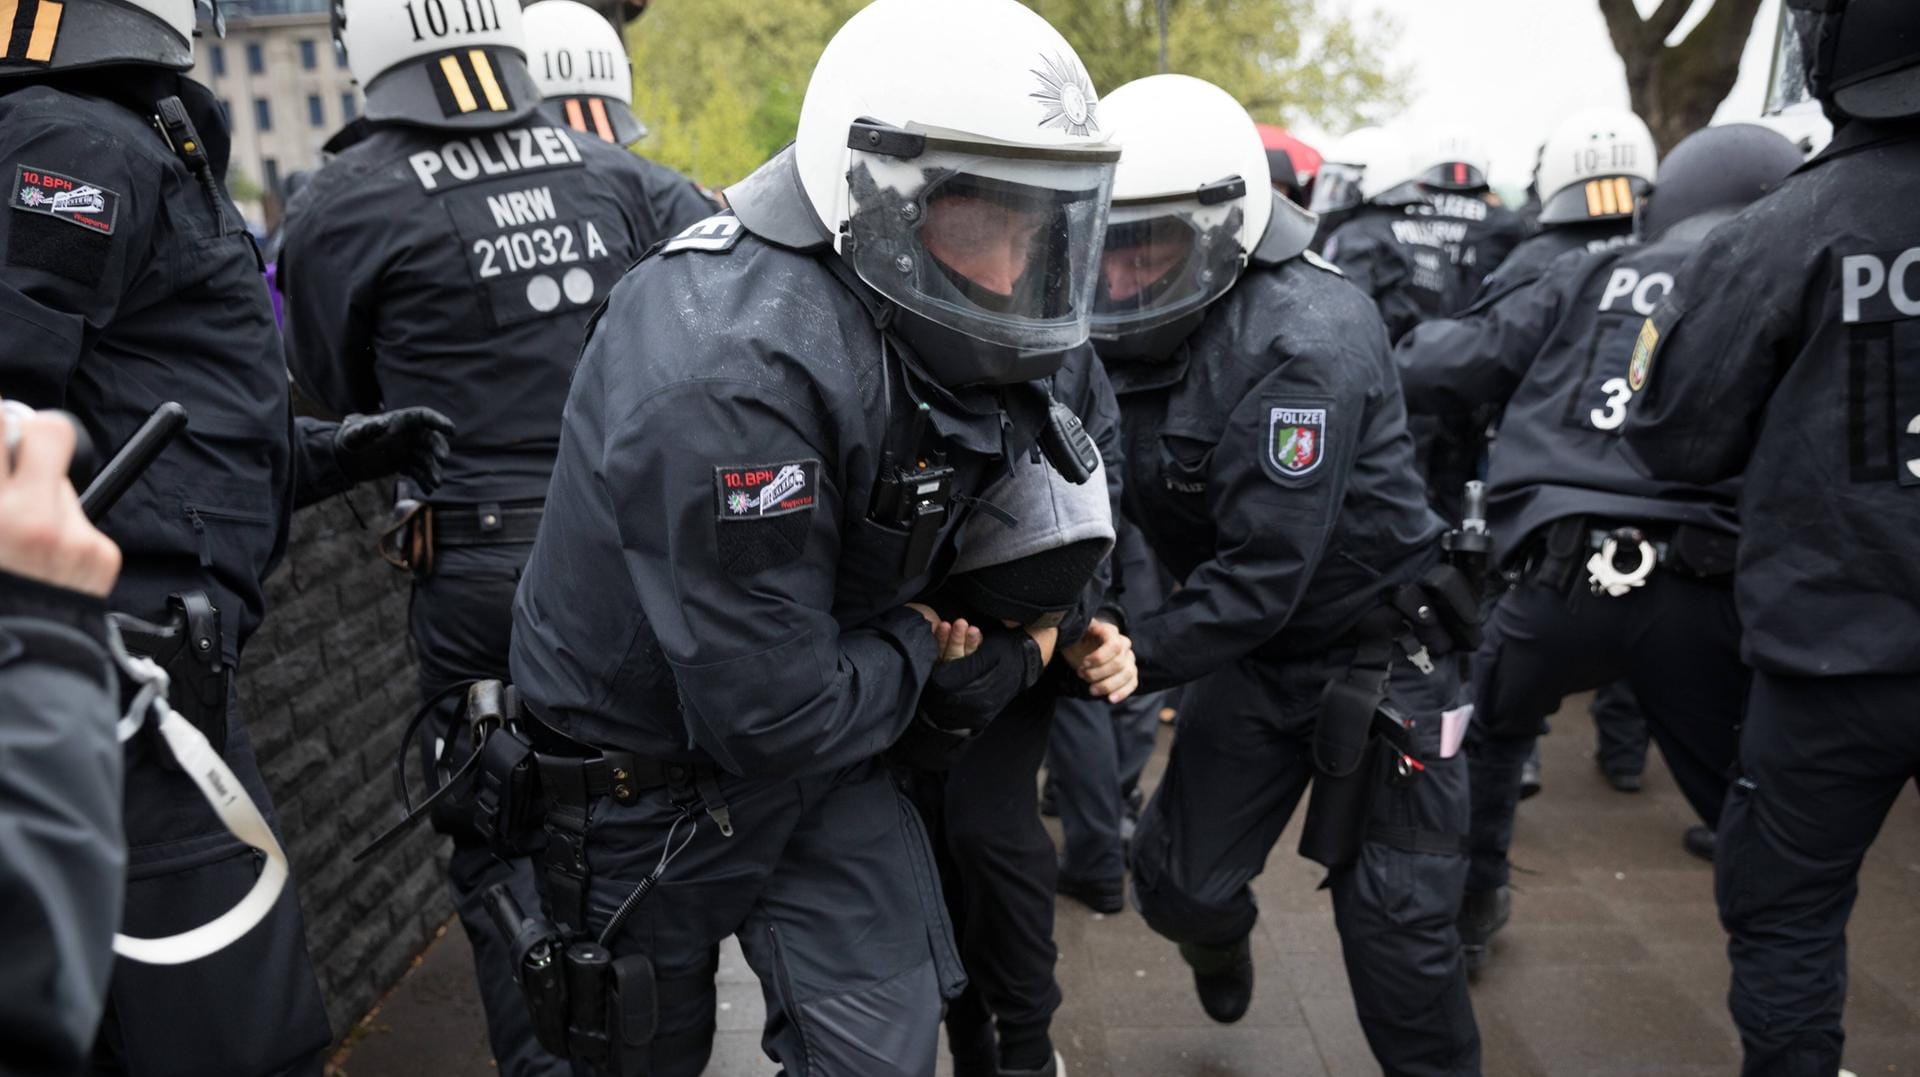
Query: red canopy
x,y
1306,159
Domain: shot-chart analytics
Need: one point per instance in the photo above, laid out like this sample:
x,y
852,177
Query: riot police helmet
x,y
1192,201
64,35
1713,173
1596,166
448,64
967,185
1358,166
1859,58
580,64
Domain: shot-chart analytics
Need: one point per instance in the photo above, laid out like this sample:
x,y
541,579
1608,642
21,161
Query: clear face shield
x,y
1337,187
1788,84
998,243
1167,258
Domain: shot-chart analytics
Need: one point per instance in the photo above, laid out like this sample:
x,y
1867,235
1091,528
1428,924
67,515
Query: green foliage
x,y
720,81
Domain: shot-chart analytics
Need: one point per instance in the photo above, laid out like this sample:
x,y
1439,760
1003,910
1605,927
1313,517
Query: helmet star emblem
x,y
1066,95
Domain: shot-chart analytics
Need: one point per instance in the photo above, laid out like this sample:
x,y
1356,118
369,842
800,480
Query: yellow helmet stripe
x,y
483,68
457,82
46,27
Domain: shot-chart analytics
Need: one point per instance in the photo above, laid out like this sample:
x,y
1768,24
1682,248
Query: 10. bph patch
x,y
762,491
75,201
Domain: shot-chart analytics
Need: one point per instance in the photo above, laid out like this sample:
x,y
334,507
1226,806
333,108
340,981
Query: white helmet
x,y
52,36
1191,200
438,63
1359,166
988,151
581,67
1596,165
1444,159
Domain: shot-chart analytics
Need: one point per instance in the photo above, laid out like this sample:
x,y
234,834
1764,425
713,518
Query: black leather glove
x,y
965,695
405,441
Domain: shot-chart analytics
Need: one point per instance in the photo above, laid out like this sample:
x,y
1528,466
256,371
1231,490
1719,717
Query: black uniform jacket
x,y
1790,352
1269,466
709,576
1555,354
458,271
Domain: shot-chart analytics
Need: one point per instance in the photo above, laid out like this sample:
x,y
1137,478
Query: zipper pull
x,y
200,529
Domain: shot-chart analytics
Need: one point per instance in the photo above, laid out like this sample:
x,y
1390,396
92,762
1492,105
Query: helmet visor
x,y
1337,187
1000,246
1162,261
1788,84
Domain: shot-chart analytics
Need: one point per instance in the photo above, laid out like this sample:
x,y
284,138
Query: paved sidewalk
x,y
1614,964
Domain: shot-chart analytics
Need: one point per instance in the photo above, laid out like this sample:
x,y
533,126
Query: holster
x,y
406,541
188,647
1345,759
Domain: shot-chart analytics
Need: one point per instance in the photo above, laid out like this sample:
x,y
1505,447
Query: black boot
x,y
1222,977
1700,840
1481,915
1101,895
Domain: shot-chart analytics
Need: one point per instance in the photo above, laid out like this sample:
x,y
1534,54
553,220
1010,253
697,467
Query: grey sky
x,y
1512,68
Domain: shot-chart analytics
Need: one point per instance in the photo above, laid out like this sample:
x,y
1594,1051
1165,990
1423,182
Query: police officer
x,y
129,279
63,854
1420,244
778,421
1264,432
1593,171
1620,577
1341,191
996,860
451,257
1789,352
1424,230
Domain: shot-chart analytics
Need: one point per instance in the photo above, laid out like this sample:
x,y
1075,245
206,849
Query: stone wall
x,y
327,685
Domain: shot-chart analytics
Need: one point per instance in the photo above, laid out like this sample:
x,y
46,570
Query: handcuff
x,y
1605,576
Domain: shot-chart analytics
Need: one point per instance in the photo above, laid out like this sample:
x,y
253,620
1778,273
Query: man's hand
x,y
1104,659
43,534
406,441
953,639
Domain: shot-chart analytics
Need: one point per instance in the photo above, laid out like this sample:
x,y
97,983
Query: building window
x,y
262,114
255,62
316,115
339,57
219,61
309,56
348,108
270,170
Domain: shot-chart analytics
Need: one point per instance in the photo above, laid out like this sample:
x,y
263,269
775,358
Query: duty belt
x,y
1557,556
492,523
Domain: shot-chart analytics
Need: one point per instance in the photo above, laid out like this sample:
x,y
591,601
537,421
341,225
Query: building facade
x,y
285,91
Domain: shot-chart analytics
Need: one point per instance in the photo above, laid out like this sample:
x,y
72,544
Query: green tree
x,y
720,81
1285,60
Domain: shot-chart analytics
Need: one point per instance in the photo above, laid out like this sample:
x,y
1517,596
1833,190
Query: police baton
x,y
133,459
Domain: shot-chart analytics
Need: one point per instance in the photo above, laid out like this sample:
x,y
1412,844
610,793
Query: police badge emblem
x,y
1642,360
1294,439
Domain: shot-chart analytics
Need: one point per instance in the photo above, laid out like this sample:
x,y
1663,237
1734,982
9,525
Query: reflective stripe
x,y
457,82
1593,199
574,119
601,124
1624,191
8,9
46,27
483,68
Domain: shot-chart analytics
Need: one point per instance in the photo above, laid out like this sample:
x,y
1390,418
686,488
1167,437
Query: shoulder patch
x,y
758,491
1318,262
1295,440
715,234
1642,360
65,198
